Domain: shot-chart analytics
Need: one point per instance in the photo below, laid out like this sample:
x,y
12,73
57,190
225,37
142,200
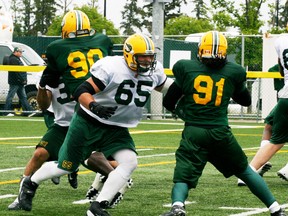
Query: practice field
x,y
156,142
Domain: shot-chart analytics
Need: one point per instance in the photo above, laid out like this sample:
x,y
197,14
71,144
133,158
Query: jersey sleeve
x,y
178,71
99,72
161,76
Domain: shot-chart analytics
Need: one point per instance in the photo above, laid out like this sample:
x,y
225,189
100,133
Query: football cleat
x,y
279,213
55,180
283,173
119,195
14,205
72,178
26,194
98,209
92,193
176,210
265,168
240,183
96,187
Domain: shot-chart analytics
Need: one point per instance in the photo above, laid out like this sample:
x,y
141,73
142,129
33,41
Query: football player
x,y
202,90
280,119
111,101
69,61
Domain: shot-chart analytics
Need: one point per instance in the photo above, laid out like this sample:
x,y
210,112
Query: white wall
x,y
269,57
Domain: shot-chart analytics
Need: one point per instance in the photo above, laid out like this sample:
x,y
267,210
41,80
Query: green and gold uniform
x,y
73,57
204,94
203,107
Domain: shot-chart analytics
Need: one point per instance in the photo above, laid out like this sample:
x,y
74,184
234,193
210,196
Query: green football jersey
x,y
73,57
206,91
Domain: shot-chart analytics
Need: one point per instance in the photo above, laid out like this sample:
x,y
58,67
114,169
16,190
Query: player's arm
x,y
44,98
172,96
242,96
165,86
50,78
84,95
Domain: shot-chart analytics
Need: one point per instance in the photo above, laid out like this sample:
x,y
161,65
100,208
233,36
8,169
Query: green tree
x,y
246,17
185,25
278,17
64,5
45,13
15,7
173,9
200,9
131,17
27,16
137,18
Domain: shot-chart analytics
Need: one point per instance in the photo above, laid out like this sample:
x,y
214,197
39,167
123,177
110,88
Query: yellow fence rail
x,y
250,74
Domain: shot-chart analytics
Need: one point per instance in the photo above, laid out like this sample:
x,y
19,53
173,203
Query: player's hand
x,y
174,115
102,111
50,79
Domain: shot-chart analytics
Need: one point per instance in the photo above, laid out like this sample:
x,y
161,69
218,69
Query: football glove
x,y
102,111
50,79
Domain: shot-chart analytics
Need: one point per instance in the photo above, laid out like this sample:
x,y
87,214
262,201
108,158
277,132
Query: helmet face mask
x,y
75,23
139,53
212,49
144,62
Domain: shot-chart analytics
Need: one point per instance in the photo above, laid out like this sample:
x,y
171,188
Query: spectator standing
x,y
17,81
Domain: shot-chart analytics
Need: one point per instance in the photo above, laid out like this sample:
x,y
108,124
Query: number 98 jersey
x,y
73,57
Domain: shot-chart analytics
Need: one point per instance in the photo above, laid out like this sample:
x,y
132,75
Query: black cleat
x,y
92,193
72,178
14,206
119,195
55,180
176,210
265,168
98,209
26,194
279,213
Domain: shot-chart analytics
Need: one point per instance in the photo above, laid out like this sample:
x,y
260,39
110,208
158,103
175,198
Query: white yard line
x,y
7,196
19,138
11,169
251,211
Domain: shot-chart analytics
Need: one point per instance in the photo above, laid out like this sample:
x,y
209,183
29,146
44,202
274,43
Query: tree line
x,y
33,17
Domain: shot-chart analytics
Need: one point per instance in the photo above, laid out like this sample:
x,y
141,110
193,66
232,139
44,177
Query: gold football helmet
x,y
139,53
213,45
75,23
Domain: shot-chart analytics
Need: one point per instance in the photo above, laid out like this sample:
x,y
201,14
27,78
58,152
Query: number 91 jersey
x,y
73,57
207,91
125,89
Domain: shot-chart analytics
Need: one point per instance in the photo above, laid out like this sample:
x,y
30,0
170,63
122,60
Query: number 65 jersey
x,y
120,86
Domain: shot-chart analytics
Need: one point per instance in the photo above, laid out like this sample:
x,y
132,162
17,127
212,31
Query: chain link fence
x,y
175,48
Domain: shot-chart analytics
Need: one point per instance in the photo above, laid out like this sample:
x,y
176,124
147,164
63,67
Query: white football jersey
x,y
62,105
124,89
281,46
